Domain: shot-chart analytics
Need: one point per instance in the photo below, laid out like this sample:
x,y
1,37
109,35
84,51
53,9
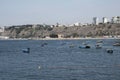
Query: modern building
x,y
115,19
105,20
95,21
118,19
77,24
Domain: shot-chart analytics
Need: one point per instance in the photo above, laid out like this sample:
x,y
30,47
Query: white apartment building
x,y
77,24
115,19
95,21
105,20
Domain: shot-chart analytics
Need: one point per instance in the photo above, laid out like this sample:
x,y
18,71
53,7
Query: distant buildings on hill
x,y
115,19
2,29
95,21
105,20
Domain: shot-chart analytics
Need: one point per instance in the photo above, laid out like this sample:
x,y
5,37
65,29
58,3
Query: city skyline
x,y
14,12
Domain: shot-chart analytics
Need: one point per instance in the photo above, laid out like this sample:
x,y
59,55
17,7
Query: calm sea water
x,y
58,61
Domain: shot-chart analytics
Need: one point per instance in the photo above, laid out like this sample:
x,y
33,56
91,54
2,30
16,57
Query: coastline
x,y
58,38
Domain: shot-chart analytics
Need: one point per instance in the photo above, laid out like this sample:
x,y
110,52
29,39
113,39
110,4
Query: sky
x,y
20,12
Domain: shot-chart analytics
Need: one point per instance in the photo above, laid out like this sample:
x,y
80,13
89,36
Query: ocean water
x,y
58,60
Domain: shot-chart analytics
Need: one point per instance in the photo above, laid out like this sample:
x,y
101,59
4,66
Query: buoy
x,y
39,67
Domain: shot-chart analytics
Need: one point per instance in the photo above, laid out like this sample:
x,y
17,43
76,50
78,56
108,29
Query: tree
x,y
53,35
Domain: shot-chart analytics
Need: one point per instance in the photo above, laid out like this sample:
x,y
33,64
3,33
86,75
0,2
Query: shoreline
x,y
59,38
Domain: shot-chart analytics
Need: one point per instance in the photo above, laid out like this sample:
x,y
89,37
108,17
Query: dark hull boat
x,y
109,50
26,50
98,46
84,47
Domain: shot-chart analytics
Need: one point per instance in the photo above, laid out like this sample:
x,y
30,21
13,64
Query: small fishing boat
x,y
84,46
109,50
99,41
27,50
87,46
116,44
98,46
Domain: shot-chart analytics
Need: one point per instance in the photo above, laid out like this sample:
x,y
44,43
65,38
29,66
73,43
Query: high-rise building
x,y
114,20
105,20
95,21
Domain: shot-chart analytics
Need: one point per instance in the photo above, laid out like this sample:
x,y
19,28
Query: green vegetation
x,y
53,35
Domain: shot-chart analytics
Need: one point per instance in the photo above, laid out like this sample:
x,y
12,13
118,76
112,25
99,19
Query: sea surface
x,y
59,60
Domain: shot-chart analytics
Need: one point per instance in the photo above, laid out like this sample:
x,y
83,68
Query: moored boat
x,y
109,50
116,44
85,46
98,46
27,50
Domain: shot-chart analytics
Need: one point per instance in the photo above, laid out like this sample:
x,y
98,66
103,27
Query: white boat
x,y
116,44
99,41
85,46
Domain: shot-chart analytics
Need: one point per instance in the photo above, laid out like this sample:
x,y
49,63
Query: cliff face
x,y
66,32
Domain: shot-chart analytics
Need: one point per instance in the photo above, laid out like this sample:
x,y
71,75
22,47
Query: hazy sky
x,y
18,12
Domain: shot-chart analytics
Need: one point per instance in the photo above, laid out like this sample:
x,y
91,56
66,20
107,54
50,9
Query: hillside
x,y
29,31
